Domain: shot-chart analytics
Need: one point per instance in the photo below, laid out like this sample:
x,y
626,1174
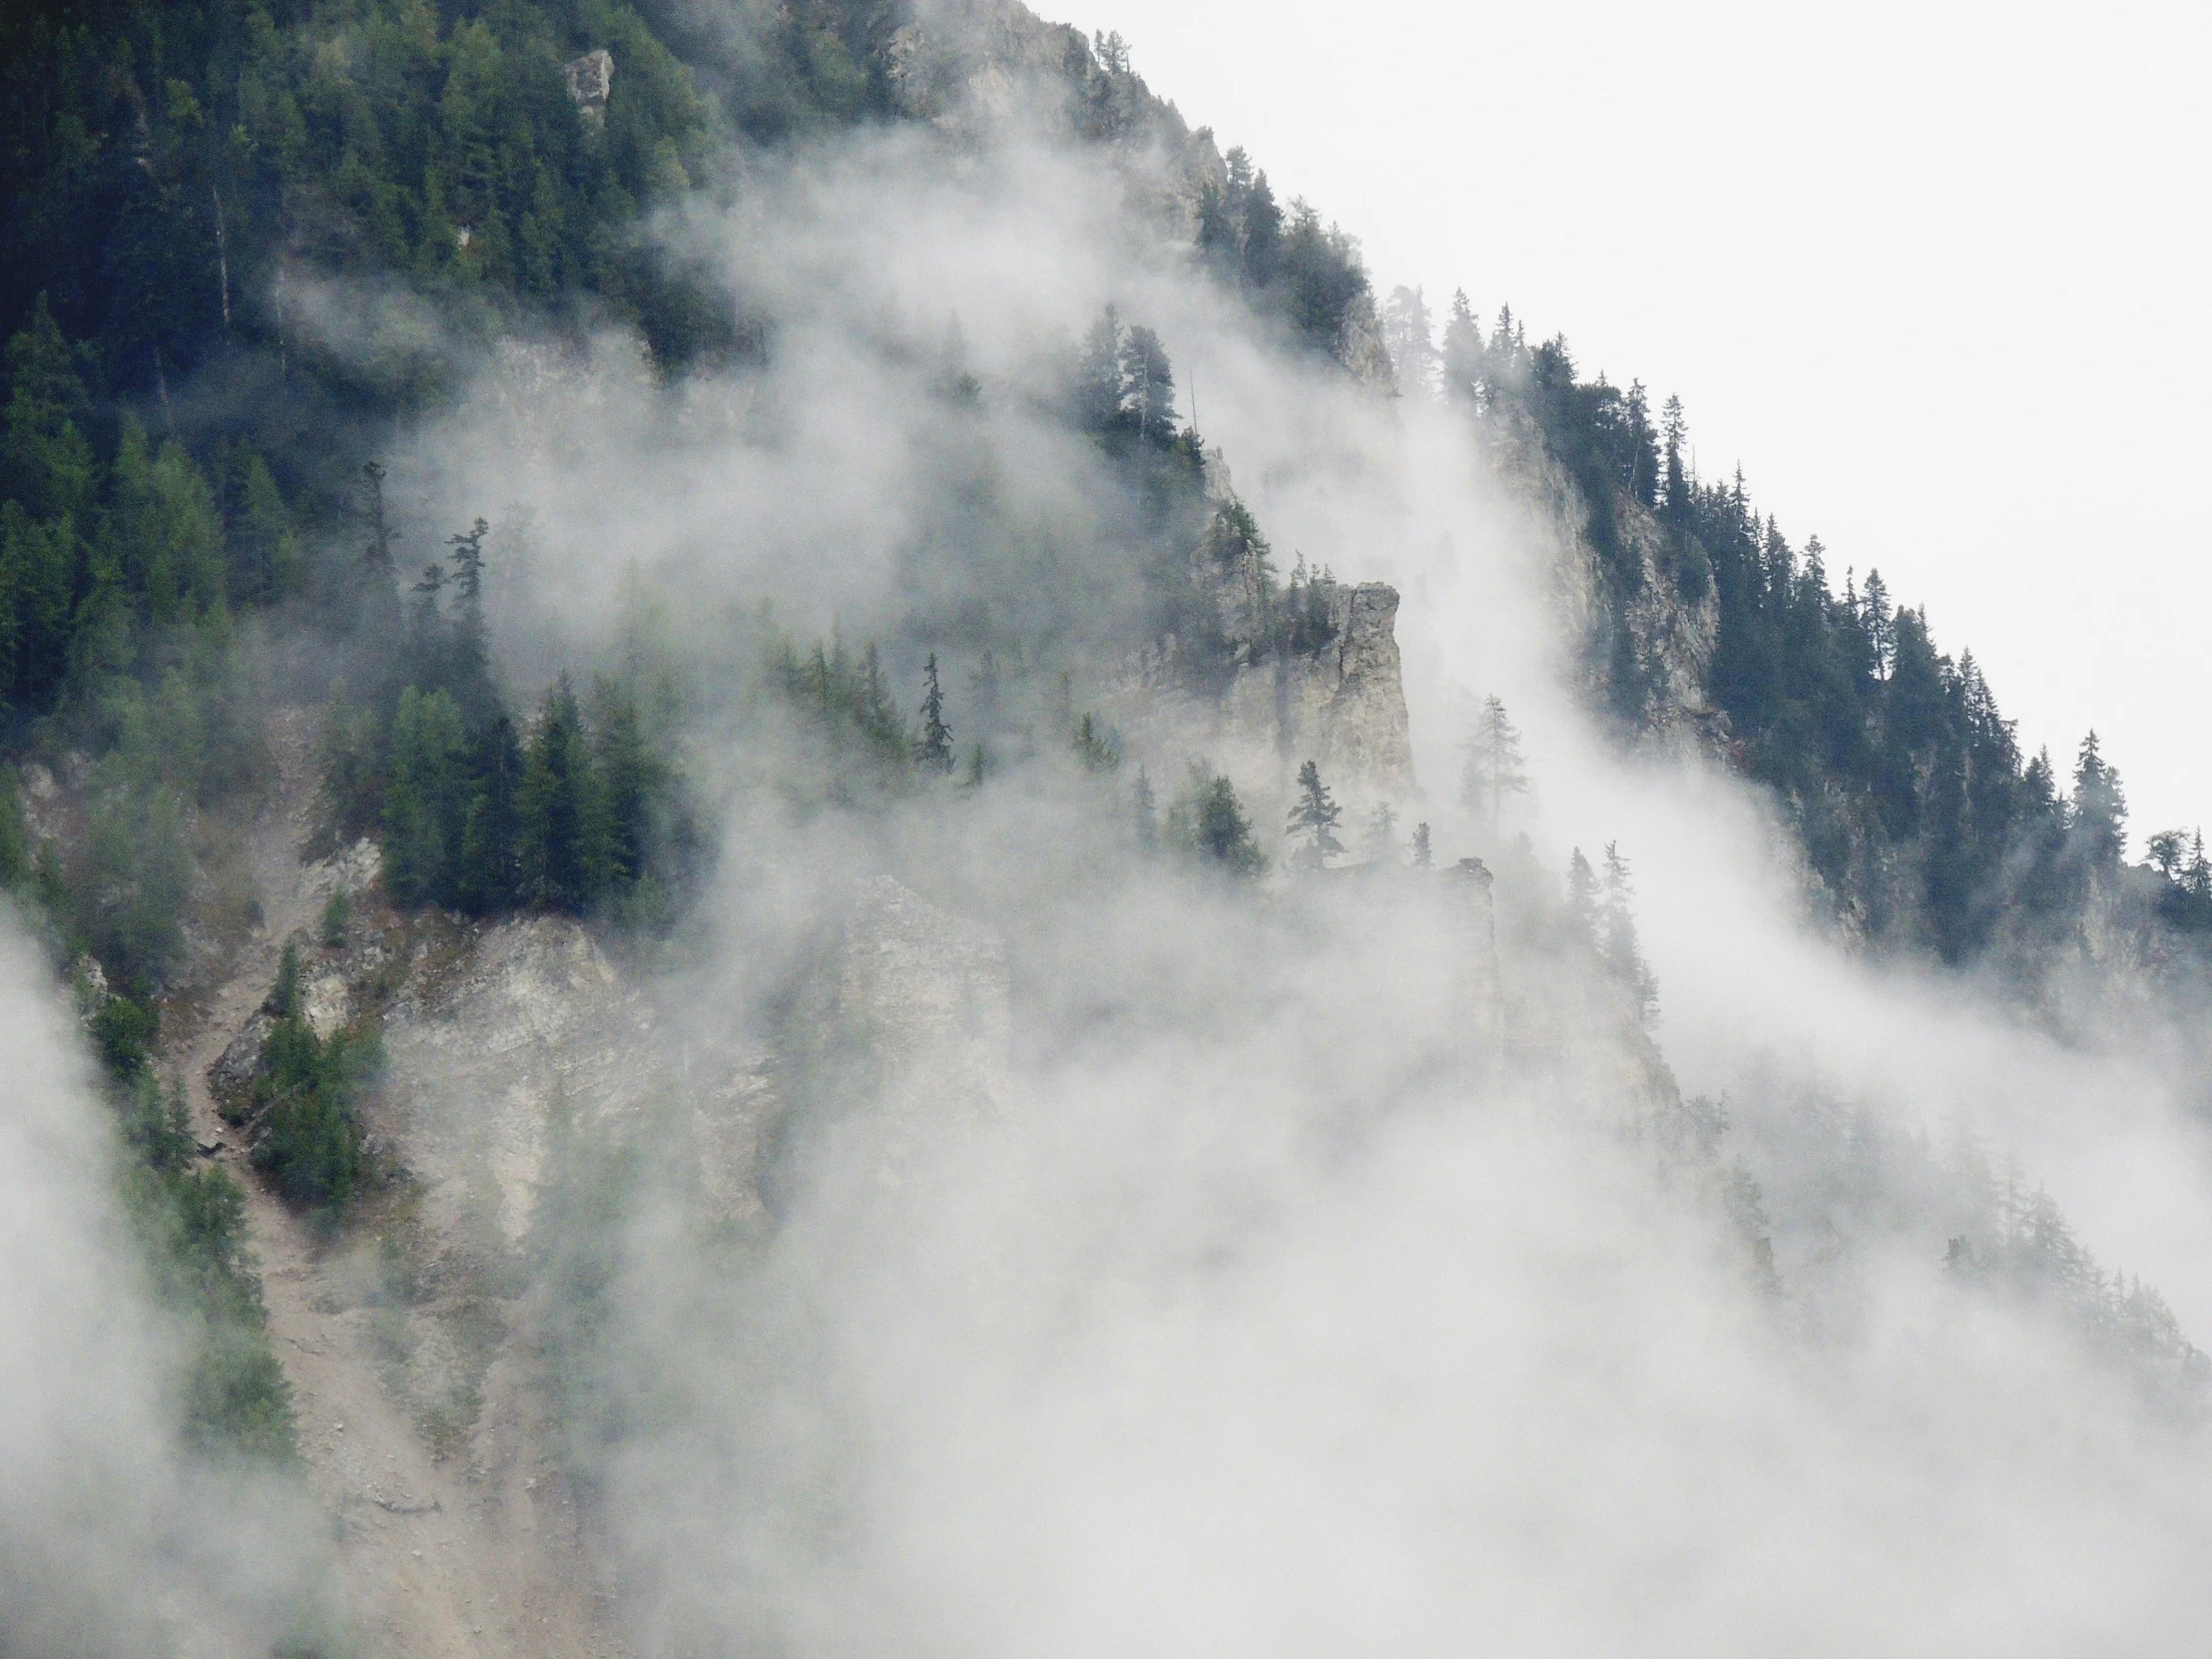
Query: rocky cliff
x,y
1268,680
526,1064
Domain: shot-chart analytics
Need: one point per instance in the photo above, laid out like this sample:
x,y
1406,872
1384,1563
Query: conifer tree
x,y
1098,375
1493,762
377,614
1462,363
1097,745
468,653
46,463
933,748
1209,820
2099,807
558,834
1146,812
427,806
1674,434
489,878
1581,899
1263,234
630,783
1380,843
985,694
268,561
1617,944
1407,335
1147,385
1314,817
1424,856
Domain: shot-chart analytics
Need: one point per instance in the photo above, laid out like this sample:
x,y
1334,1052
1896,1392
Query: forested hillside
x,y
708,875
1924,824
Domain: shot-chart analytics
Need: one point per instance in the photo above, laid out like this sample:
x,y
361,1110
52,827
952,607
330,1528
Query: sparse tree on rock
x,y
1494,762
1314,817
933,748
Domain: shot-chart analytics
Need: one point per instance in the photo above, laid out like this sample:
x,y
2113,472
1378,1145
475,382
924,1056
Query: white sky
x,y
1936,274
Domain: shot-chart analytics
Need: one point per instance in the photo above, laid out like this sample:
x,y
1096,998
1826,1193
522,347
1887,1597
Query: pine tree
x,y
933,748
631,782
1098,375
1493,762
1314,817
1407,335
425,806
2099,807
1146,812
1147,385
1097,746
1380,843
1617,946
1674,434
489,878
1262,221
267,562
1581,900
1209,820
1461,365
1424,856
45,462
560,834
469,655
376,615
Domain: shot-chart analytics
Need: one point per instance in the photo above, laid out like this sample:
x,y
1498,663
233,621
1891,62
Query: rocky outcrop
x,y
590,78
1312,676
900,1036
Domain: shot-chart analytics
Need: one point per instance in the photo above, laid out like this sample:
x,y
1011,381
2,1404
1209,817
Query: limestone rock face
x,y
488,1039
928,993
1671,634
900,1039
590,78
1339,702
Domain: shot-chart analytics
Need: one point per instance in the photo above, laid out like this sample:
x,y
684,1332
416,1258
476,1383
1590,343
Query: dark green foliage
x,y
123,1035
304,1100
844,702
1315,817
561,845
159,164
191,1223
1307,273
1122,389
1208,821
1097,745
490,873
1308,616
117,572
574,815
426,802
1906,783
933,748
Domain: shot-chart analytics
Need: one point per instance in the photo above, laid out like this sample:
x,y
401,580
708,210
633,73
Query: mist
x,y
116,1536
1273,1291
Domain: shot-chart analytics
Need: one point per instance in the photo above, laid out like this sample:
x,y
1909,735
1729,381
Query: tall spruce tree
x,y
933,748
1494,767
560,839
1313,816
